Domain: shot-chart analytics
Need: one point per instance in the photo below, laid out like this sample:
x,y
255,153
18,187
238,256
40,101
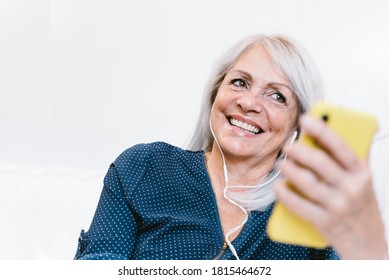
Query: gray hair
x,y
289,57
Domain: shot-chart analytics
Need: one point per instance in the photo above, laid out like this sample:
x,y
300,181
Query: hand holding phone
x,y
357,129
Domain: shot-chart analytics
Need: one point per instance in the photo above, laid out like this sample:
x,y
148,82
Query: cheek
x,y
217,113
225,95
282,121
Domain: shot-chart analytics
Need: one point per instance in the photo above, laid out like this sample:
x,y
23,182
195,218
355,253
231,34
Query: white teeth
x,y
244,126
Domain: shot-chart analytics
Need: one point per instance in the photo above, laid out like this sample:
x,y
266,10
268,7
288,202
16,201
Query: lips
x,y
253,129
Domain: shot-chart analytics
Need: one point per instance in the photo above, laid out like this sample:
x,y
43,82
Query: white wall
x,y
81,80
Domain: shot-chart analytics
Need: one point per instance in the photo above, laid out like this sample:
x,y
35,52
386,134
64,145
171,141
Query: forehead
x,y
257,62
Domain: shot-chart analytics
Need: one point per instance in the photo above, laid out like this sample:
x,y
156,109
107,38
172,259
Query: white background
x,y
82,80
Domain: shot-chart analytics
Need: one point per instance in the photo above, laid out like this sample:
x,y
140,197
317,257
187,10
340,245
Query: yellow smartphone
x,y
357,129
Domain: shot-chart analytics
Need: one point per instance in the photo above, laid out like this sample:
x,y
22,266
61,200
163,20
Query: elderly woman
x,y
213,201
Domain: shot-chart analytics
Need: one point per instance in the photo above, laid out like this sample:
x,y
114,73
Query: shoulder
x,y
147,151
154,161
141,156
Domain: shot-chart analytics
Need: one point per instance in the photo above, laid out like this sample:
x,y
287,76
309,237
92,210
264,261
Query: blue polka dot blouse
x,y
157,203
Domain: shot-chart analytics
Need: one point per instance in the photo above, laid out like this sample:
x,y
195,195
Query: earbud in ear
x,y
293,137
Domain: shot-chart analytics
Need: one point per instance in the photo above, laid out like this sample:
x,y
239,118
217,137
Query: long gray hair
x,y
288,57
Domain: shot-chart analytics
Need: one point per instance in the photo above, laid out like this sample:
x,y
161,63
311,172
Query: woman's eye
x,y
239,83
278,97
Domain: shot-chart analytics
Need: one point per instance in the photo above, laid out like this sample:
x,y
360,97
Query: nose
x,y
250,102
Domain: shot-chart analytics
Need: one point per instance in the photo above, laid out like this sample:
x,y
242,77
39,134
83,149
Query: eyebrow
x,y
280,84
268,84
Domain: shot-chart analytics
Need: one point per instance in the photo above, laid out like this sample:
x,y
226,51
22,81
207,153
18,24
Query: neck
x,y
241,171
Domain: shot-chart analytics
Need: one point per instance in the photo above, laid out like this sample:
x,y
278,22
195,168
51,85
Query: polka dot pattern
x,y
157,203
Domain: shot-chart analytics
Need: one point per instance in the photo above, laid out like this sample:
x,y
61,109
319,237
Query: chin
x,y
239,151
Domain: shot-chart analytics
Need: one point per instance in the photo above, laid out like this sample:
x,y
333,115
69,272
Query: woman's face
x,y
255,111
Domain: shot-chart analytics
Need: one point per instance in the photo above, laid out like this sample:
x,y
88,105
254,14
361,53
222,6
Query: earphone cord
x,y
225,171
225,194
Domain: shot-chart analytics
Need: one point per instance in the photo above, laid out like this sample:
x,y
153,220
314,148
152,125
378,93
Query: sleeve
x,y
332,254
323,254
112,231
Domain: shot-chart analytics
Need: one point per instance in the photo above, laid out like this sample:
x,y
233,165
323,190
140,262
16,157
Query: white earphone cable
x,y
226,188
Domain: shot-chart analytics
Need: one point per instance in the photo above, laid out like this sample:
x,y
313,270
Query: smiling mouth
x,y
245,126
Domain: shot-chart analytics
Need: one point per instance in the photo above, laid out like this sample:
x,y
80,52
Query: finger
x,y
307,183
317,161
299,205
330,141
